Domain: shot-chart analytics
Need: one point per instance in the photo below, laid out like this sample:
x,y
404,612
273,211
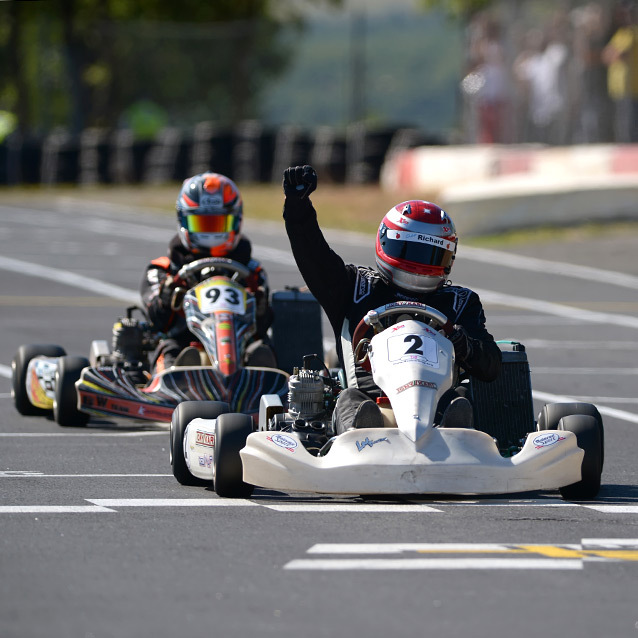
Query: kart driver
x,y
415,249
209,218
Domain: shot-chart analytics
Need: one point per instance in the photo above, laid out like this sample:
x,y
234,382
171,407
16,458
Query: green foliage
x,y
461,9
84,62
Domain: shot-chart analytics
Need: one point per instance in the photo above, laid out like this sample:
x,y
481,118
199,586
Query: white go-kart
x,y
292,448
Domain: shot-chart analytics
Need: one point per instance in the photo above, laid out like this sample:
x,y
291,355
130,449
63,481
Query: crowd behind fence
x,y
564,76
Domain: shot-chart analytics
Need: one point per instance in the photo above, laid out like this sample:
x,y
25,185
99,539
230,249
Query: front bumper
x,y
384,461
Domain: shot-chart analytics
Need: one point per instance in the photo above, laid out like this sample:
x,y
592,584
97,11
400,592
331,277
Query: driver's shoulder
x,y
456,298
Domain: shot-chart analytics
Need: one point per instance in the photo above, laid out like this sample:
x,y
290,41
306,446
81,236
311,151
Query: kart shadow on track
x,y
618,493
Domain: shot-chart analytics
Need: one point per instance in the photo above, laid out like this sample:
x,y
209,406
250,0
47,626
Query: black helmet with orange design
x,y
209,214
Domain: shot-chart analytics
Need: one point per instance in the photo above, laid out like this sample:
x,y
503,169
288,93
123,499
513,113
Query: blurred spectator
x,y
486,84
592,107
621,57
541,68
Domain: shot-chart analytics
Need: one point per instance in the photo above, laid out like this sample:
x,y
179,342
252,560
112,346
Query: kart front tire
x,y
231,432
552,413
588,436
19,366
184,413
65,404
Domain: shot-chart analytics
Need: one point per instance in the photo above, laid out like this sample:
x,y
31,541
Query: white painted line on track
x,y
53,509
347,564
399,548
556,309
171,502
18,435
488,296
627,400
352,507
548,344
612,412
600,371
505,503
609,543
463,555
29,474
614,509
70,279
533,264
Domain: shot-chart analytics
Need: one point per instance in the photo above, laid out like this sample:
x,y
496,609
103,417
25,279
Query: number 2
x,y
417,343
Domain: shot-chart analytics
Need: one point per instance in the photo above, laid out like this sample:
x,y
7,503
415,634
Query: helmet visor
x,y
209,223
418,248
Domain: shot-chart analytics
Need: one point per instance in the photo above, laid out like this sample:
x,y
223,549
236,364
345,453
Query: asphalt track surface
x,y
98,540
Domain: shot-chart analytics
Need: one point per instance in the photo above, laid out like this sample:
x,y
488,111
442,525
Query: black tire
x,y
19,367
552,413
65,405
587,432
231,432
184,413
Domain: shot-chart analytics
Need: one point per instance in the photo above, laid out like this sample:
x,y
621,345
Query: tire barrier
x,y
249,152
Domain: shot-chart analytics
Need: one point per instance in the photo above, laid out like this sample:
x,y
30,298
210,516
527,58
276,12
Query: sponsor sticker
x,y
430,240
206,460
368,442
283,440
205,439
544,440
416,382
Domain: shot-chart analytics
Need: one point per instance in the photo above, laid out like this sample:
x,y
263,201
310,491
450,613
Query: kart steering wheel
x,y
374,318
190,272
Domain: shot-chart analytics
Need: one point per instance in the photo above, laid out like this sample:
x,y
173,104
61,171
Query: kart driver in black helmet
x,y
415,249
209,219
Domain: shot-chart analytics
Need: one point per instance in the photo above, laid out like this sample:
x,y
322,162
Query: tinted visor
x,y
425,250
209,223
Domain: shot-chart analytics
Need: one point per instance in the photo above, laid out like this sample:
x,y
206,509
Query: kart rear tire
x,y
19,366
184,413
588,436
552,413
231,432
65,404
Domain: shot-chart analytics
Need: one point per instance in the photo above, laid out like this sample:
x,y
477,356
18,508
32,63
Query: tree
x,y
462,9
83,62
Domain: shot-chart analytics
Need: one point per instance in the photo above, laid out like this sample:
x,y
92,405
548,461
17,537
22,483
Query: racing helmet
x,y
415,248
209,214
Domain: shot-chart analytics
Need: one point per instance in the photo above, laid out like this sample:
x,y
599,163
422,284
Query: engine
x,y
311,399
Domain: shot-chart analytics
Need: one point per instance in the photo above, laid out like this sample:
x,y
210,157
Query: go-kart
x,y
295,450
220,312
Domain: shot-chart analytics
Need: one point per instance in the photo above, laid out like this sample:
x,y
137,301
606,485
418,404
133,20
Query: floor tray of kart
x,y
292,448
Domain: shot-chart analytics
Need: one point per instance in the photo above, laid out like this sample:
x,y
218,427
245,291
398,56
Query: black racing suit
x,y
348,292
173,323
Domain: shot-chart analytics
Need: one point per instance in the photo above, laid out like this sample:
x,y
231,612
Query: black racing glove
x,y
461,342
171,295
299,181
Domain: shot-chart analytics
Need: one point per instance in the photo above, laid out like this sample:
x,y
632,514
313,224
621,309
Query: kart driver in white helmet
x,y
415,249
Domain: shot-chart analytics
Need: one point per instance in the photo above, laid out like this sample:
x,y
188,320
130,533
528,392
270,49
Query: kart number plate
x,y
221,294
413,347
